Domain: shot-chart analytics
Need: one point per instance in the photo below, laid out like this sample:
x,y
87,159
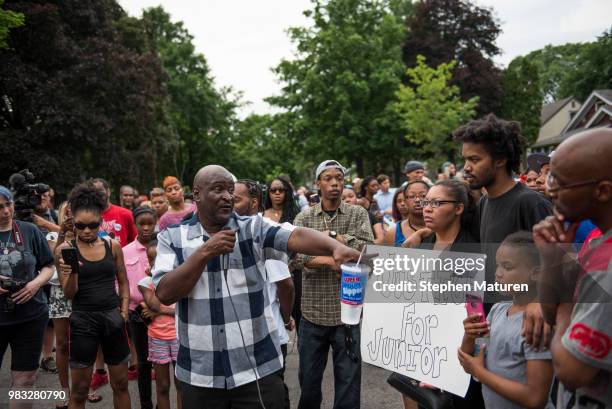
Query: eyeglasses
x,y
436,203
92,225
414,197
552,184
277,190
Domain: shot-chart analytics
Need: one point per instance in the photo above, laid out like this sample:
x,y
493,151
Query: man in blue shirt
x,y
384,197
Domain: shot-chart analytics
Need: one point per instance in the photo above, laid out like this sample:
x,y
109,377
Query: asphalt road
x,y
375,392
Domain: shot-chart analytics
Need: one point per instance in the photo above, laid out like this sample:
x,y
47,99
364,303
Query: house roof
x,y
556,140
600,94
549,110
606,94
606,109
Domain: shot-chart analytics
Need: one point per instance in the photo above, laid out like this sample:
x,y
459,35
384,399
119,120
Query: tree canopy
x,y
74,100
523,96
431,109
457,30
339,86
8,20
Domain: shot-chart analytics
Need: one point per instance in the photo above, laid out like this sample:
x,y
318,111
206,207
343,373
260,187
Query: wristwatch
x,y
333,234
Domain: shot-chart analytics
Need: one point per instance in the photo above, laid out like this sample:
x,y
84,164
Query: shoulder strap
x,y
18,237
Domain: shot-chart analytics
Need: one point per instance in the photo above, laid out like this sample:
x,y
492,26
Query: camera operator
x,y
25,265
44,216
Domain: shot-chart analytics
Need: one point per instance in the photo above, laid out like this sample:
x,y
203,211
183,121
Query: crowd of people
x,y
203,292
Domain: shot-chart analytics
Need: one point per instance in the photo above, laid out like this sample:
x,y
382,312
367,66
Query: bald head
x,y
207,173
582,177
586,154
213,191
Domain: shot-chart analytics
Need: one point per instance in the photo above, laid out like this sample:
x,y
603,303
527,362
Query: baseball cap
x,y
413,165
328,164
535,161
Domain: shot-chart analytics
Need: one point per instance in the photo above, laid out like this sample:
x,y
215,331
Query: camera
x,y
12,286
27,195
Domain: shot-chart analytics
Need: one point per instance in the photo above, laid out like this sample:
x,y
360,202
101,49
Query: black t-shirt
x,y
518,209
24,264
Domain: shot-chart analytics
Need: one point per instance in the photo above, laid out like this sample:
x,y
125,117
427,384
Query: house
x,y
595,112
554,118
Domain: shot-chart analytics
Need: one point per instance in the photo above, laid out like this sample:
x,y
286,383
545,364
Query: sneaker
x,y
98,380
132,373
48,365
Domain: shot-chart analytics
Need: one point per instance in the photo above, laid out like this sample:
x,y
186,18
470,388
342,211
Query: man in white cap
x,y
321,326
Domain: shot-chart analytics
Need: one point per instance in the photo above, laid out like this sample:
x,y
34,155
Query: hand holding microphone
x,y
221,244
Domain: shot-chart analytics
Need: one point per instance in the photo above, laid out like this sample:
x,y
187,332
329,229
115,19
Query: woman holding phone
x,y
89,267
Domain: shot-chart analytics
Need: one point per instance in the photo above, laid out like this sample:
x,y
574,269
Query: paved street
x,y
375,392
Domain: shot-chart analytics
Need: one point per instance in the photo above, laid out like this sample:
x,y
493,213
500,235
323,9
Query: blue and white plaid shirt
x,y
211,352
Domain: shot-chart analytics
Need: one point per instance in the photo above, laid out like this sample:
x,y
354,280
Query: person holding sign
x,y
321,326
513,373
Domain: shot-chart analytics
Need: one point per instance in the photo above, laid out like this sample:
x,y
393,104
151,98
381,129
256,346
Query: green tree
x,y
8,20
458,30
202,117
522,96
263,151
554,64
431,109
338,88
76,102
593,69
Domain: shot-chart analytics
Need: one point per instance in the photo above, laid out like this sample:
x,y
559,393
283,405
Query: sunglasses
x,y
83,226
276,190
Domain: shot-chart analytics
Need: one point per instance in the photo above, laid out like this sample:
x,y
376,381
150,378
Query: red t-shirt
x,y
118,223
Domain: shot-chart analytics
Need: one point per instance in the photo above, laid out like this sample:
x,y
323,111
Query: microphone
x,y
226,257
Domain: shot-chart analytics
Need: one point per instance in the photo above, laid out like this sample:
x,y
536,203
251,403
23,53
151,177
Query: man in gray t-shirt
x,y
507,354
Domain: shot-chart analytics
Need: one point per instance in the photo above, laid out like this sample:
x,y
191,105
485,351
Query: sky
x,y
243,39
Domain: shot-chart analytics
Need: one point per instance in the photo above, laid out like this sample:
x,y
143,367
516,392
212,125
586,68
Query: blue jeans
x,y
314,343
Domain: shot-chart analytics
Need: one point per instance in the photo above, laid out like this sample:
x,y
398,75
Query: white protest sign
x,y
416,339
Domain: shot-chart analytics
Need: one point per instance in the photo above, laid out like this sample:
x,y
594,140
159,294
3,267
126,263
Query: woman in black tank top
x,y
98,316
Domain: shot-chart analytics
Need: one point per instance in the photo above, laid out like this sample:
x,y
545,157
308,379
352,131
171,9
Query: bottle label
x,y
352,288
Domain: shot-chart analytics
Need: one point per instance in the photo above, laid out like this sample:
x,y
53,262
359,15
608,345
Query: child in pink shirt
x,y
163,345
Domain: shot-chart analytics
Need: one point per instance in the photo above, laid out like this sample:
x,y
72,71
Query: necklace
x,y
6,250
89,243
411,226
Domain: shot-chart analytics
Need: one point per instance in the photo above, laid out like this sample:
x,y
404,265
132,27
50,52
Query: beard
x,y
485,180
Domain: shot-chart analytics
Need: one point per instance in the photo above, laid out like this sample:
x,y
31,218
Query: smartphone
x,y
473,305
71,257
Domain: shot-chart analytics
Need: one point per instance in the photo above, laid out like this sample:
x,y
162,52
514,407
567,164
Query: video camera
x,y
12,286
26,194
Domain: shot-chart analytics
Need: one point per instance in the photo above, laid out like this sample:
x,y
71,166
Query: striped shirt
x,y
211,352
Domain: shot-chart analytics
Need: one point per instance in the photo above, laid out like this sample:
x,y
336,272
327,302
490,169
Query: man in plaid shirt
x,y
229,352
320,326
